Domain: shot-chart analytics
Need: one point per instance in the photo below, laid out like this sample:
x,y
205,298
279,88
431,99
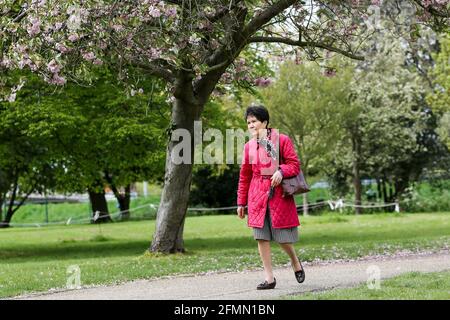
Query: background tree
x,y
303,102
27,162
392,137
439,99
96,135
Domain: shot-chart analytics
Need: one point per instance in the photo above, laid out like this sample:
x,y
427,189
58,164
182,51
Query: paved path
x,y
241,285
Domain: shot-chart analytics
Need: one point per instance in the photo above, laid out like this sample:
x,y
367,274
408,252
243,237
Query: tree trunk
x,y
356,145
2,198
122,198
10,211
391,192
5,223
99,203
383,188
400,186
124,203
168,236
379,195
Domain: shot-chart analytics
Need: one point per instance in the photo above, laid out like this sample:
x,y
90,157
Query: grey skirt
x,y
285,235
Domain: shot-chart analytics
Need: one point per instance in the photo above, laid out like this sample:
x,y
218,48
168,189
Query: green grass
x,y
409,286
57,212
36,259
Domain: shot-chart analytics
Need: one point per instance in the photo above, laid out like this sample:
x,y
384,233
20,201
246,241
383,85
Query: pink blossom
x,y
73,37
39,3
35,27
97,62
49,39
226,77
89,56
58,80
171,12
262,82
58,26
154,53
32,66
21,48
54,12
74,22
117,27
53,66
61,48
7,63
25,62
154,12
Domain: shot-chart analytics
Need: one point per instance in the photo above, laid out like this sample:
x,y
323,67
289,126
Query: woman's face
x,y
255,126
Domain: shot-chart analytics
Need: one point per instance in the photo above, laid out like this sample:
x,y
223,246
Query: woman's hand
x,y
276,178
241,212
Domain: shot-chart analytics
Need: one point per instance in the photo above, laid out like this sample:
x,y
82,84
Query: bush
x,y
426,197
214,186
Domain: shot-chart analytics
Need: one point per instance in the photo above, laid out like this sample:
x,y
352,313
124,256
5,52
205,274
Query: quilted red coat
x,y
254,183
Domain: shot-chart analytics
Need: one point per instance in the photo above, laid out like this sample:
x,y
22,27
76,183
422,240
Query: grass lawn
x,y
57,212
409,286
36,259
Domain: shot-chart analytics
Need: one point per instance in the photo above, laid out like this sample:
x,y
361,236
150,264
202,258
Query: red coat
x,y
254,183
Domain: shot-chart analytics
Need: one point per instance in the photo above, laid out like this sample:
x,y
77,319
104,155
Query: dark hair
x,y
259,112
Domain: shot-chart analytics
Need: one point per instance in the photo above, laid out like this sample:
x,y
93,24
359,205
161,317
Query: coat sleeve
x,y
245,177
290,163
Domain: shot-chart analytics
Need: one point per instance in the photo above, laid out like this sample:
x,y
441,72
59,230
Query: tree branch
x,y
304,44
25,198
177,2
13,196
222,13
258,21
156,70
20,16
431,10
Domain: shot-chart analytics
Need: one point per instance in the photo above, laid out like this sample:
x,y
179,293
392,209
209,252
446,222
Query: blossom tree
x,y
192,45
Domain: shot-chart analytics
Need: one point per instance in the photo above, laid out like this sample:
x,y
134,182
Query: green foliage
x,y
439,99
83,137
425,197
303,103
214,187
393,126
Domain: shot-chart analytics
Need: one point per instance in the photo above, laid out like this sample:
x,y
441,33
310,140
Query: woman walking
x,y
268,158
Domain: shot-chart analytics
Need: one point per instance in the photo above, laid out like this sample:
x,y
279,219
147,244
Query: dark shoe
x,y
265,285
300,275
